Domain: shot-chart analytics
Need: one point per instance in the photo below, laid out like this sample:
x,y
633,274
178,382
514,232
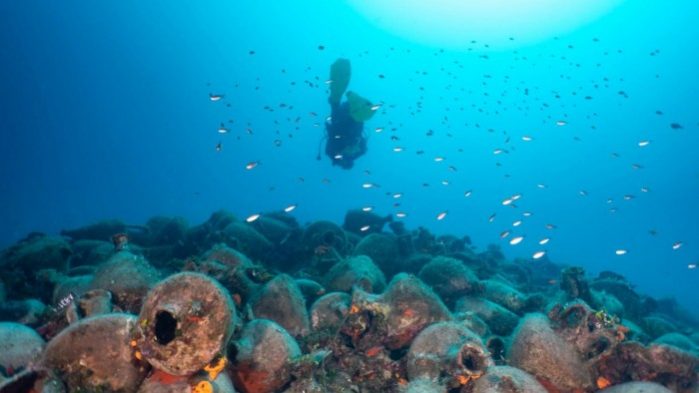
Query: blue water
x,y
105,113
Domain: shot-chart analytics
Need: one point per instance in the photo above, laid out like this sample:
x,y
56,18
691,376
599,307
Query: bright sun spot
x,y
455,23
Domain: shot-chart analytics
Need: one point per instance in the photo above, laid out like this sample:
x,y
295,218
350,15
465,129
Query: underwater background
x,y
106,113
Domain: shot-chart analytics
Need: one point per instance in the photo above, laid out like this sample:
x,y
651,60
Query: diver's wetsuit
x,y
345,136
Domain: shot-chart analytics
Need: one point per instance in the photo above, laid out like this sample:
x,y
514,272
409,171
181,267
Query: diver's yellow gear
x,y
340,73
360,109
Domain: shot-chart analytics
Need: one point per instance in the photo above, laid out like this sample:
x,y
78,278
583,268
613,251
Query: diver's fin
x,y
360,108
340,73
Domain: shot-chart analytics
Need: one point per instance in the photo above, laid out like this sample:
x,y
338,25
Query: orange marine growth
x,y
216,366
408,313
463,380
602,382
373,351
203,387
165,378
621,331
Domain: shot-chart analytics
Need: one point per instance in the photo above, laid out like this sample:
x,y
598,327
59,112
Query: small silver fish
x,y
516,240
252,217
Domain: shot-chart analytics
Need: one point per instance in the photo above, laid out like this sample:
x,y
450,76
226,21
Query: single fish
x,y
516,240
538,254
252,217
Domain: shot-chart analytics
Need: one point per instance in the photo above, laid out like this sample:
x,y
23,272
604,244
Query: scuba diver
x,y
344,130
